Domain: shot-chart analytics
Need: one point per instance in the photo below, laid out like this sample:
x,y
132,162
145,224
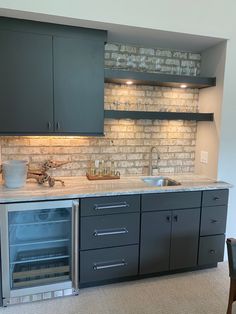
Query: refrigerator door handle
x,y
75,245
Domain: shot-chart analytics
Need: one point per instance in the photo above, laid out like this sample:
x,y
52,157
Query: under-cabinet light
x,y
183,86
129,82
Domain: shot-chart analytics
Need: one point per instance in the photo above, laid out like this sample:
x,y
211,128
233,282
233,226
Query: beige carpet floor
x,y
199,292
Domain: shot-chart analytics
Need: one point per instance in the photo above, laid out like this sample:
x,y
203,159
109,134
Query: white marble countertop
x,y
76,187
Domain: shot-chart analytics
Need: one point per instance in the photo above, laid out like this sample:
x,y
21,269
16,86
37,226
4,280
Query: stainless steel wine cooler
x,y
39,247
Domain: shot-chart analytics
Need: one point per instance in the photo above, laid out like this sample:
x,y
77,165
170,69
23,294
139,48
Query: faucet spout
x,y
153,148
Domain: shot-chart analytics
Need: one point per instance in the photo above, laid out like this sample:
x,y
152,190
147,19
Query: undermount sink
x,y
160,181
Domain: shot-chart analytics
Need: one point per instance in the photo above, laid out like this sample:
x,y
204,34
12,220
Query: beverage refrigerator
x,y
39,250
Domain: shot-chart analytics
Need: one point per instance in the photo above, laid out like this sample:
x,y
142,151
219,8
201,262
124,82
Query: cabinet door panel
x,y
26,89
155,242
184,238
78,85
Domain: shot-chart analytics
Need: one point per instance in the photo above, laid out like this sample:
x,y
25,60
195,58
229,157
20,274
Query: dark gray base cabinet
x,y
110,263
169,240
133,236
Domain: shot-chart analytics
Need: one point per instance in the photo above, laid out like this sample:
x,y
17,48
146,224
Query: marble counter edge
x,y
60,195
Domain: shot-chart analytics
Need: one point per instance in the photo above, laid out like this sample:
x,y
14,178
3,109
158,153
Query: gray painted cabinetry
x,y
26,91
131,236
169,238
52,79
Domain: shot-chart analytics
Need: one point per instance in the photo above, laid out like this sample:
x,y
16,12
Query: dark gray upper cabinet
x,y
51,79
26,91
78,85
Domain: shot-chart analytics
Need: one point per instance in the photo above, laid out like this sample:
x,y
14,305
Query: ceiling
x,y
127,34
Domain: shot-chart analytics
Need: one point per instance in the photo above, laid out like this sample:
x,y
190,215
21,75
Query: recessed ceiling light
x,y
129,82
183,86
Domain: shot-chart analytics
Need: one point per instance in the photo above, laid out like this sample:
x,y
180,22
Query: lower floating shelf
x,y
119,114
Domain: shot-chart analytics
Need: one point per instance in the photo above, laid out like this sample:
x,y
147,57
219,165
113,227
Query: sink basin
x,y
160,181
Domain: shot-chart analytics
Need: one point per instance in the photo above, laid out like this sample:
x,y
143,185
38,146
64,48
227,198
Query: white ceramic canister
x,y
14,173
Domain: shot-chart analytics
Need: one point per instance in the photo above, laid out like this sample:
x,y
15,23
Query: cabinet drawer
x,y
110,205
105,264
215,197
173,200
109,230
211,249
213,220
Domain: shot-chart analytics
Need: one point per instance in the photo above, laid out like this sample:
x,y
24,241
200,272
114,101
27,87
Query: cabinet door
x,y
184,238
155,242
78,85
26,89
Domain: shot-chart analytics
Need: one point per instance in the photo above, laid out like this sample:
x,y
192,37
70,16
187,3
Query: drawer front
x,y
215,197
109,230
213,220
211,250
105,264
110,205
172,200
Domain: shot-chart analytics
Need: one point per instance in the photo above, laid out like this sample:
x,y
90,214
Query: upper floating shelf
x,y
119,114
157,79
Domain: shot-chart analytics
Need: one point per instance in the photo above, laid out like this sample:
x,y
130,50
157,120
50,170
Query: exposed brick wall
x,y
127,142
125,57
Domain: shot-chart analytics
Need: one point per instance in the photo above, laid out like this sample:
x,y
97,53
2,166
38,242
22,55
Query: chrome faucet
x,y
150,168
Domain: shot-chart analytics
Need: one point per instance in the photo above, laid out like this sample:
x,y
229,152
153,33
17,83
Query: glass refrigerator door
x,y
40,244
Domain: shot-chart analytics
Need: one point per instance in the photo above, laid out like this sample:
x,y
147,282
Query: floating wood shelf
x,y
159,79
118,114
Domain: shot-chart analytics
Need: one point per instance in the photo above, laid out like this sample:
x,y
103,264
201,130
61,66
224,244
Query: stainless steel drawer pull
x,y
212,251
216,198
213,221
110,206
107,232
106,266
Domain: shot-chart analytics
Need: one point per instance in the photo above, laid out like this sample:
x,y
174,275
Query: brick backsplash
x,y
127,142
127,57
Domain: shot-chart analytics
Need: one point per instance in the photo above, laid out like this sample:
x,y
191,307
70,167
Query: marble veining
x,y
77,187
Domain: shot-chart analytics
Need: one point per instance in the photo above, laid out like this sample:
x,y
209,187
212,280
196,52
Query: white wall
x,y
211,18
210,100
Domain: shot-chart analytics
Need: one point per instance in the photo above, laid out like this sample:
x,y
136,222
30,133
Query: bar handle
x,y
108,232
107,266
111,206
49,125
75,245
176,218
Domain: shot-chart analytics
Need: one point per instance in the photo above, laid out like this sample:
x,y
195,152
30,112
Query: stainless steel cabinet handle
x,y
106,266
110,206
58,126
107,232
75,245
216,198
213,221
49,125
